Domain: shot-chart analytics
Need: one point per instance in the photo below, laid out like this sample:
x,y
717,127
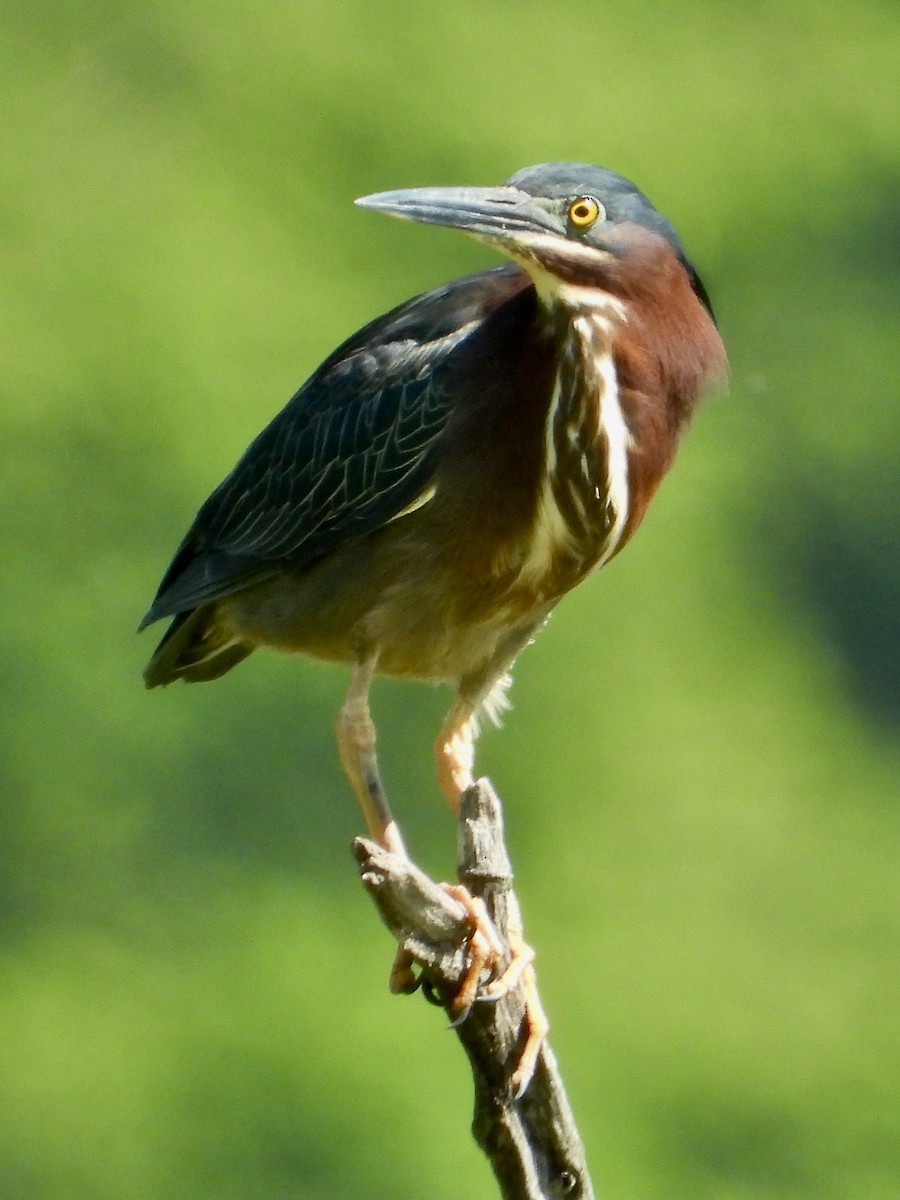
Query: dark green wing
x,y
351,450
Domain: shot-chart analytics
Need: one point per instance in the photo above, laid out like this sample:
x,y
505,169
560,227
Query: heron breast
x,y
582,509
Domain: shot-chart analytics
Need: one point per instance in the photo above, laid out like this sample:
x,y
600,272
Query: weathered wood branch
x,y
531,1140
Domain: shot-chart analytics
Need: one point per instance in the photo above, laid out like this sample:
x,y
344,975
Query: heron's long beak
x,y
497,214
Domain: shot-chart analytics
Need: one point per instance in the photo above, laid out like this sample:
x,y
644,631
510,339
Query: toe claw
x,y
457,1021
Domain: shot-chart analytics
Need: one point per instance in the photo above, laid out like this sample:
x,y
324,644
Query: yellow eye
x,y
584,211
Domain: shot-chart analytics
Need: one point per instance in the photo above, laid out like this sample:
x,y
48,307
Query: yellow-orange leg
x,y
455,756
356,747
454,752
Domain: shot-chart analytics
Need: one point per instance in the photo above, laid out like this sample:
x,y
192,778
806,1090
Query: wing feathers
x,y
353,449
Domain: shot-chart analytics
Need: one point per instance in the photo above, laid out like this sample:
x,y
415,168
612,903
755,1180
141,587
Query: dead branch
x,y
531,1139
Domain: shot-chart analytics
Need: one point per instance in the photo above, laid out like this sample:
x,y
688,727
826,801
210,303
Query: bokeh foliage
x,y
701,770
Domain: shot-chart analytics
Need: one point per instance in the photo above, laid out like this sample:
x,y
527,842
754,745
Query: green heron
x,y
454,468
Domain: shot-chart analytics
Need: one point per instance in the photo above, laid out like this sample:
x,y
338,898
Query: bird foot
x,y
535,1026
427,929
483,947
485,950
519,972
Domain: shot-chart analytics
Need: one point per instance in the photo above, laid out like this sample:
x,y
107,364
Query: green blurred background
x,y
701,769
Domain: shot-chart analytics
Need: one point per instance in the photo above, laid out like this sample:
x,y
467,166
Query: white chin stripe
x,y
595,509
